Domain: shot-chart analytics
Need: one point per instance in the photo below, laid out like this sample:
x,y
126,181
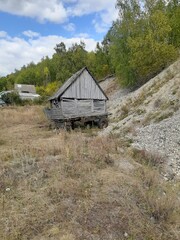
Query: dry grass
x,y
25,115
70,185
148,158
155,101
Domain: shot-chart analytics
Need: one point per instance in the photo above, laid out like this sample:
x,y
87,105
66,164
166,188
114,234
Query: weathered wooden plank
x,y
84,88
69,107
57,115
84,107
99,106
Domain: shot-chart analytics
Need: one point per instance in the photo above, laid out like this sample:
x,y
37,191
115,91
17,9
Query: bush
x,y
40,100
148,158
48,90
12,98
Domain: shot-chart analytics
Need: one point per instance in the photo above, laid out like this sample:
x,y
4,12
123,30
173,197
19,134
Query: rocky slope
x,y
150,116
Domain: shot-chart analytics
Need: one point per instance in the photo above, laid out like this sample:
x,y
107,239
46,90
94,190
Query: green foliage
x,y
102,61
150,51
120,55
3,84
173,12
143,40
49,74
67,62
127,26
48,90
12,98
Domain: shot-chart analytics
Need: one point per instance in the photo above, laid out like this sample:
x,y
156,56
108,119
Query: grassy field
x,y
78,185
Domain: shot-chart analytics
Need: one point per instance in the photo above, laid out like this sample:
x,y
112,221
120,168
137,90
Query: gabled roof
x,y
70,81
25,88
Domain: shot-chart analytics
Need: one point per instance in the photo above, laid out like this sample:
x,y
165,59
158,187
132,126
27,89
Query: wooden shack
x,y
26,92
79,96
24,88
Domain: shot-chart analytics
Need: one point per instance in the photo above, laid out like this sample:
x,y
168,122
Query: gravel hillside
x,y
150,116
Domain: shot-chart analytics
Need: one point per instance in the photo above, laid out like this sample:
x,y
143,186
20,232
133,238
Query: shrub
x,y
147,158
48,90
12,98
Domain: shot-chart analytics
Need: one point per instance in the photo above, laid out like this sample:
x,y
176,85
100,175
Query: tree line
x,y
140,43
49,74
145,39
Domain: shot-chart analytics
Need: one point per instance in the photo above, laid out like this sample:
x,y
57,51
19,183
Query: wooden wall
x,y
82,107
68,108
84,88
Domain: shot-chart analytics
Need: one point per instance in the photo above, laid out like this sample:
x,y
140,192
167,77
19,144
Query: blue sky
x,y
30,29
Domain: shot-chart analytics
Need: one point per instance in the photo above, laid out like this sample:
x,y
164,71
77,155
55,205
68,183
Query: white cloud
x,y
59,11
105,18
70,27
31,34
82,7
3,34
83,35
16,52
105,11
45,10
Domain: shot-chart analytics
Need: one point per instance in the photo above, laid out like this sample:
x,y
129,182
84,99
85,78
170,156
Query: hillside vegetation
x,y
149,117
111,184
156,100
143,41
78,185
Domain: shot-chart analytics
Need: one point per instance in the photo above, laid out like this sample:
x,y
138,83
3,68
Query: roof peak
x,y
70,81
